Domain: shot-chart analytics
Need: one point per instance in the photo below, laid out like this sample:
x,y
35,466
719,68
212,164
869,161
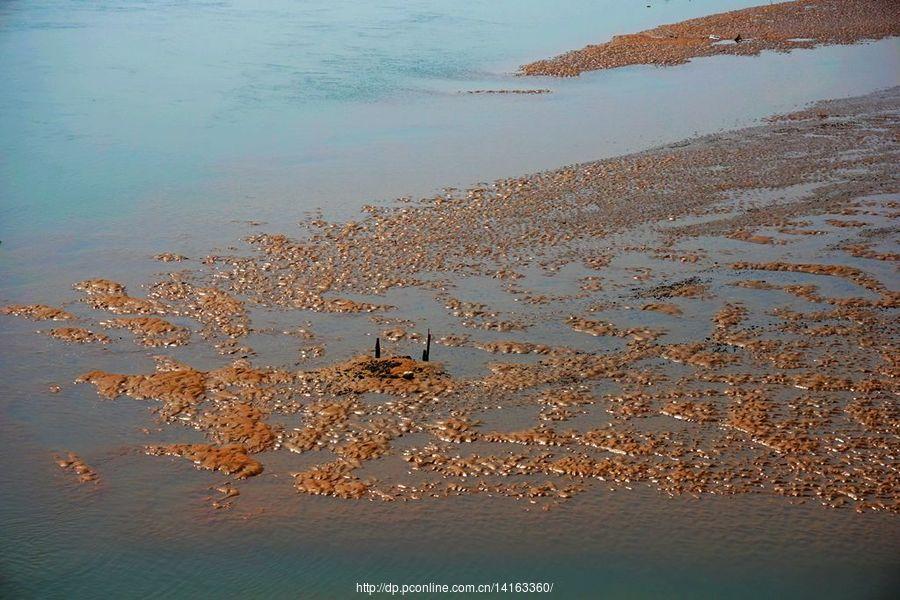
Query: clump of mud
x,y
36,312
241,424
151,331
78,335
331,479
73,462
100,287
664,307
394,375
230,460
179,389
169,257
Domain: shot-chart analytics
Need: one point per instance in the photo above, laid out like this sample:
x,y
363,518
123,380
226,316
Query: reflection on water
x,y
128,128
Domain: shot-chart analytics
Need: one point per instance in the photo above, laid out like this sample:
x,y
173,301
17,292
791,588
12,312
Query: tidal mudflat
x,y
781,27
714,317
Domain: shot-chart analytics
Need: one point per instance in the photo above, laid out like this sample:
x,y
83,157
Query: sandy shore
x,y
718,316
779,27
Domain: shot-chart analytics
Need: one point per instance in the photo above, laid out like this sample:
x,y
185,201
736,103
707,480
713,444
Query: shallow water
x,y
130,128
191,109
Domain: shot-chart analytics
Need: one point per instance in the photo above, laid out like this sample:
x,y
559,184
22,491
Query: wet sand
x,y
780,27
715,317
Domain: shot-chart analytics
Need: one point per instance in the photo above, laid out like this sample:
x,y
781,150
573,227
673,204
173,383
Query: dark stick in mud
x,y
426,353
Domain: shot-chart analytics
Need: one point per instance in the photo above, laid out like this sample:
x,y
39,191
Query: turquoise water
x,y
123,108
130,128
105,103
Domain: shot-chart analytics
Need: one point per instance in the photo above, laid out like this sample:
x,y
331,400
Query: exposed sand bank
x,y
779,27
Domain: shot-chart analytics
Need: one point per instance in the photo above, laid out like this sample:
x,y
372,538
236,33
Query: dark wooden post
x,y
426,353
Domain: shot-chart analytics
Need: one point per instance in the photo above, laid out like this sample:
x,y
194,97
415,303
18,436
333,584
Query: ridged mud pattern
x,y
602,325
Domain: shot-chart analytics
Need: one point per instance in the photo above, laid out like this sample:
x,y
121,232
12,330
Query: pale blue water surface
x,y
133,127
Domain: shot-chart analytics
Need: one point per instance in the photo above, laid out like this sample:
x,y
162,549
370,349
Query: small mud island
x,y
718,316
780,27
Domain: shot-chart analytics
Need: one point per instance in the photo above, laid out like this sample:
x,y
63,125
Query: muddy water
x,y
148,526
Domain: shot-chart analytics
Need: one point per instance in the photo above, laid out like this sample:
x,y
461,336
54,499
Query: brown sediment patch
x,y
455,429
755,284
540,435
241,424
598,328
689,288
591,283
745,236
322,419
492,325
429,458
699,412
665,308
228,492
510,347
846,223
73,463
850,273
231,460
616,470
696,354
569,368
730,316
620,442
36,312
169,257
345,305
151,331
683,257
78,335
178,388
562,405
332,479
819,381
101,287
395,334
393,375
467,310
865,251
787,360
779,27
221,314
121,304
221,310
795,231
883,418
808,292
313,351
368,447
630,405
598,261
453,341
